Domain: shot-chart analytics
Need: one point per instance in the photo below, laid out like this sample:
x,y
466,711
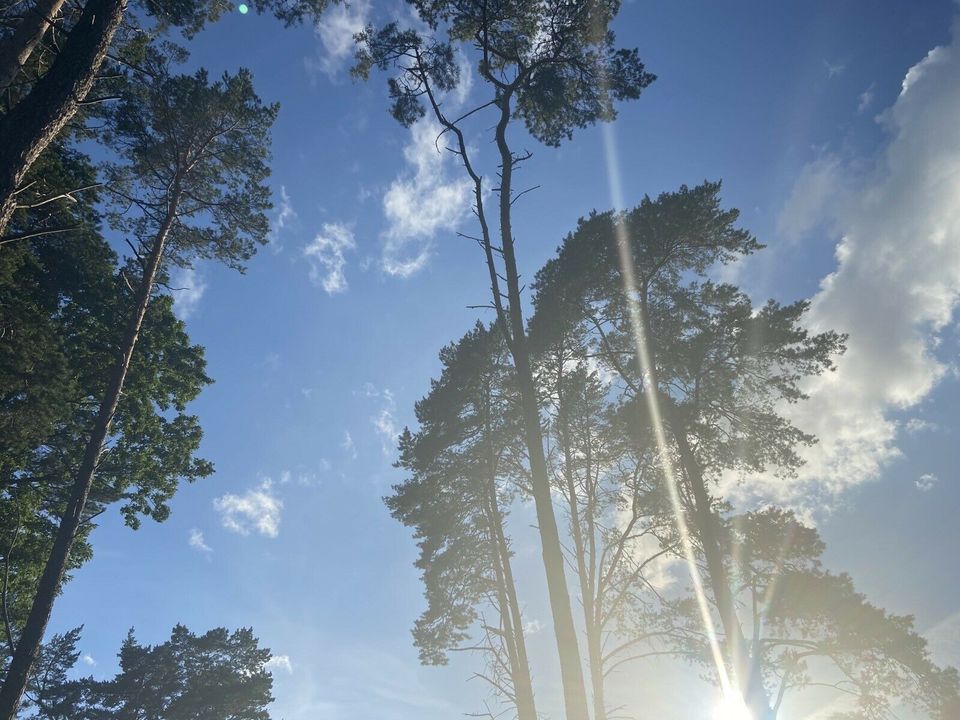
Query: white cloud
x,y
279,662
348,445
386,424
197,541
833,69
187,286
894,289
532,627
926,482
325,254
257,510
865,100
285,216
915,426
335,31
817,195
88,660
419,205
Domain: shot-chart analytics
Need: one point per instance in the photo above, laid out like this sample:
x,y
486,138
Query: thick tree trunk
x,y
571,671
17,49
37,119
31,638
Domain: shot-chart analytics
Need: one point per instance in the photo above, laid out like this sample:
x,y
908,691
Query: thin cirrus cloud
x,y
893,303
326,256
258,511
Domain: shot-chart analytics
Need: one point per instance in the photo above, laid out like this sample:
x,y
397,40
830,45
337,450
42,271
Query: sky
x,y
833,126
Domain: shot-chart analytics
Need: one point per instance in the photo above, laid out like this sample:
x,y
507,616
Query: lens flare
x,y
243,9
732,707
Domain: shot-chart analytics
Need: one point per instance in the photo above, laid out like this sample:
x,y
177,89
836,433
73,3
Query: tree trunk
x,y
16,50
587,594
28,645
571,671
37,119
707,530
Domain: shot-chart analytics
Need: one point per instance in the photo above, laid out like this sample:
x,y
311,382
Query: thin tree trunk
x,y
17,49
507,589
28,645
587,595
708,532
37,119
571,671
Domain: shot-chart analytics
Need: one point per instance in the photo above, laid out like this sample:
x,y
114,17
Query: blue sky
x,y
832,124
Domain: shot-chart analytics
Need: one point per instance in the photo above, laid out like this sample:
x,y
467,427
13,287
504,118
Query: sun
x,y
732,707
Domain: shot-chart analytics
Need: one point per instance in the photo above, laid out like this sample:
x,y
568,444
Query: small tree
x,y
219,675
195,157
553,65
456,499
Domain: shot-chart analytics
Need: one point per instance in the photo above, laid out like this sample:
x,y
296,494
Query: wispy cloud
x,y
197,541
385,424
335,31
188,287
865,100
833,69
348,445
926,482
88,660
325,255
284,218
895,287
257,510
420,204
279,662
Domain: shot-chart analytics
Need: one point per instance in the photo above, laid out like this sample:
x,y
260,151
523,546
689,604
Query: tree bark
x,y
17,49
571,671
37,119
28,645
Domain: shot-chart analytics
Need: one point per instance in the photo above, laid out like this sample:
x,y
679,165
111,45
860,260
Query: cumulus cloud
x,y
279,662
418,205
325,255
197,541
88,660
188,287
335,31
257,510
895,286
926,482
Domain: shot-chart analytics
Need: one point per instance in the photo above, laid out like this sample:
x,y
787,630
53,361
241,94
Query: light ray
x,y
653,406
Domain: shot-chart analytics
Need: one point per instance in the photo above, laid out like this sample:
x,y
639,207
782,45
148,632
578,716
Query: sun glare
x,y
732,707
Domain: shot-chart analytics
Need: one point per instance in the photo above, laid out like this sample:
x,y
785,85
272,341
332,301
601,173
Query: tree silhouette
x,y
461,461
552,65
